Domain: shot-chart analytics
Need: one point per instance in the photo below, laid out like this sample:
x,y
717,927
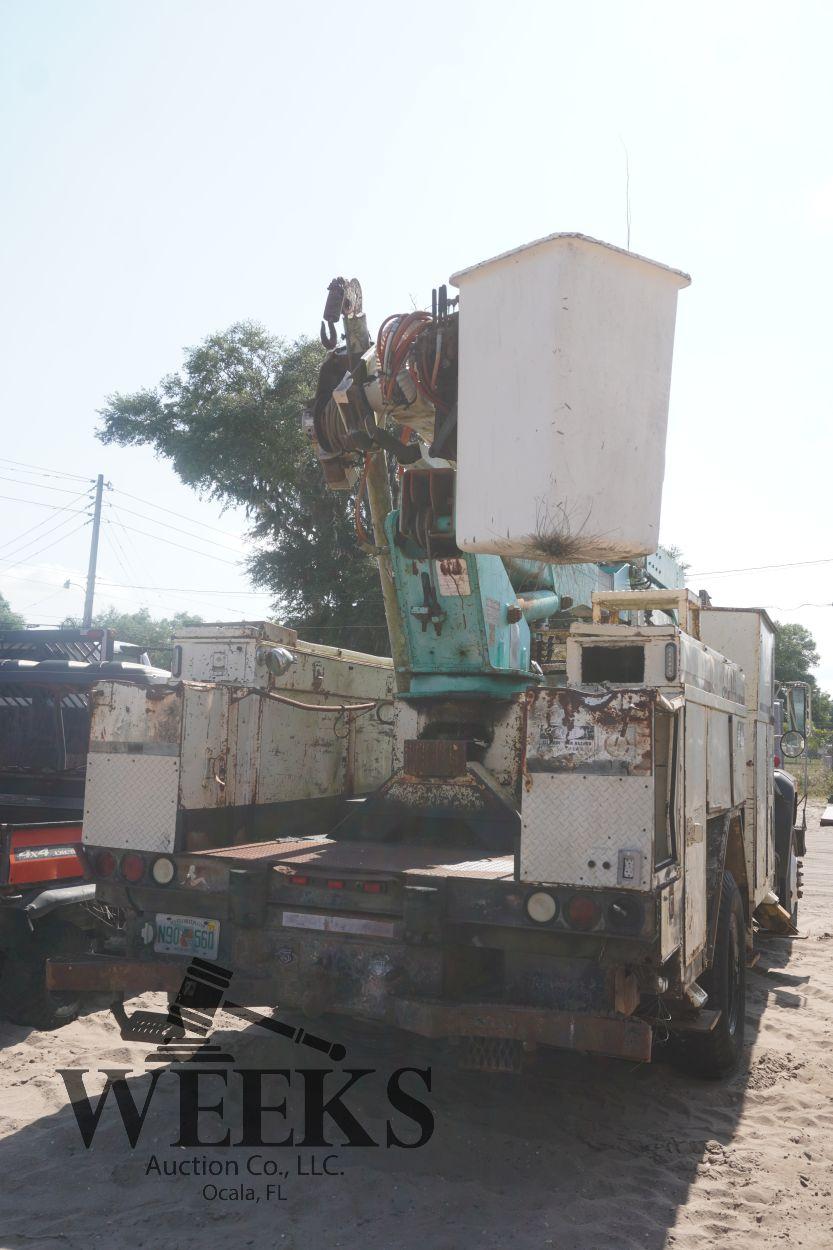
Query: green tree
x,y
229,423
821,710
153,634
8,618
795,653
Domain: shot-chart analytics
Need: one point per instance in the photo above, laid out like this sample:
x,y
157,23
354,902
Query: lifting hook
x,y
332,311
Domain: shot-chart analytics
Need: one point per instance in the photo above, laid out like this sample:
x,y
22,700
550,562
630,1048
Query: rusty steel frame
x,y
101,974
623,1038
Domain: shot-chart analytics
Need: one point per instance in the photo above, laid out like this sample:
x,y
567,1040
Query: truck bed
x,y
376,858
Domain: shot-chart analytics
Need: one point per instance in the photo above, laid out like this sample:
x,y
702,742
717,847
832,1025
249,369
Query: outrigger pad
x,y
774,918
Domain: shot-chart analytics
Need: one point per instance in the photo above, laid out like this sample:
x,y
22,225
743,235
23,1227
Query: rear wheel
x,y
717,1053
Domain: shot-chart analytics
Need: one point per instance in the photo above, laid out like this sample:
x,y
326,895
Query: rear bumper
x,y
121,976
102,973
617,1036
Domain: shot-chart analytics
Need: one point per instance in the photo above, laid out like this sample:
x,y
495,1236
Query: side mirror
x,y
798,707
792,744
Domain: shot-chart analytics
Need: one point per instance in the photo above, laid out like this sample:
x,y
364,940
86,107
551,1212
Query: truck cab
x,y
46,680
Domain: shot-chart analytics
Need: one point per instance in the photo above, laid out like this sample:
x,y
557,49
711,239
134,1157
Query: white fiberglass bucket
x,y
565,372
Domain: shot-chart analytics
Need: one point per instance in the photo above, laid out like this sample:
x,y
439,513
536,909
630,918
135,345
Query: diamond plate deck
x,y
373,857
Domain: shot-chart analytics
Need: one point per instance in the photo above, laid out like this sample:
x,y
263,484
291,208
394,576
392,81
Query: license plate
x,y
187,935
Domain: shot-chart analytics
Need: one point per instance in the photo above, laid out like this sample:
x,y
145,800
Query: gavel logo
x,y
200,997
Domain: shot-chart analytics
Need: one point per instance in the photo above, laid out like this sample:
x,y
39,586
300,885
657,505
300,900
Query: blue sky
x,y
169,168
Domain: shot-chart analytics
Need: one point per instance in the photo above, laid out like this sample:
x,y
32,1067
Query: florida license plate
x,y
187,935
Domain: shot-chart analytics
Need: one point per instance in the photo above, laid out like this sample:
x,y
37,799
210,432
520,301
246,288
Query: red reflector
x,y
335,885
778,761
105,864
582,912
132,867
299,880
372,887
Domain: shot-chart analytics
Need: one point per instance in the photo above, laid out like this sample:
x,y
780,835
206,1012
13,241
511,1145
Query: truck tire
x,y
714,1055
788,838
24,998
788,882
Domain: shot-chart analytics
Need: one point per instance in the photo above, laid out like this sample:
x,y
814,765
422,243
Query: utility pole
x,y
90,595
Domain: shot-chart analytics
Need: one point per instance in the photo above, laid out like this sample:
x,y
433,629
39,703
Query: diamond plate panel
x,y
131,801
571,821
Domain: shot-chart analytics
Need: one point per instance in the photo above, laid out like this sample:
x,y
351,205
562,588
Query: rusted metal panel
x,y
605,733
434,757
99,973
603,1035
498,726
369,857
137,718
239,755
116,974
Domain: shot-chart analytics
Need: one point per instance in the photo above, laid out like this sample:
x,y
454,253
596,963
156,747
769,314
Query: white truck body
x,y
211,759
637,767
748,635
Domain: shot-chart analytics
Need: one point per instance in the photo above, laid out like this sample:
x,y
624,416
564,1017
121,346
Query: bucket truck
x,y
574,843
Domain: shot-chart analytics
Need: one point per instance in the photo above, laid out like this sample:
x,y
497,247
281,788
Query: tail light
x,y
104,864
541,907
163,870
582,912
132,867
366,887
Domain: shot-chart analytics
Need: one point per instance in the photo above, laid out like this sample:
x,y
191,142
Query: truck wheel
x,y
24,998
716,1054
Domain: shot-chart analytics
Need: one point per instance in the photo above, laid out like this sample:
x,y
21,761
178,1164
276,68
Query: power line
x,y
170,511
64,490
53,507
759,568
187,590
118,551
48,472
33,581
11,542
194,551
137,552
45,599
175,528
33,555
22,547
776,607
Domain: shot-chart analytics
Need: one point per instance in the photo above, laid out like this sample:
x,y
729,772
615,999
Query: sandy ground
x,y
583,1154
